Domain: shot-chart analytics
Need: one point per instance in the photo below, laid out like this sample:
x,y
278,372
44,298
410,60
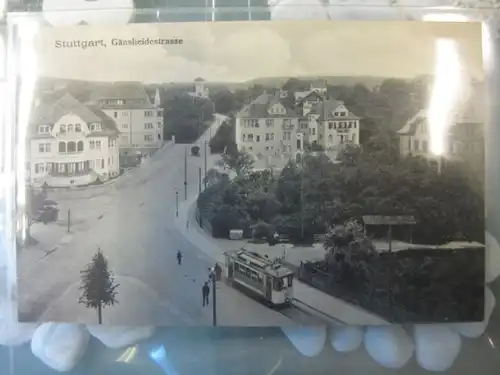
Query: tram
x,y
268,279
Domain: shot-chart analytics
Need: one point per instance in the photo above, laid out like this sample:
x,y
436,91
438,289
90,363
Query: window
x,y
124,126
111,143
71,128
330,125
61,167
269,122
353,137
148,137
71,147
250,137
39,168
313,131
115,114
148,125
62,128
330,138
98,145
79,146
62,147
336,114
148,113
159,136
44,147
257,138
95,127
78,128
43,129
159,113
99,163
159,125
92,145
243,136
415,145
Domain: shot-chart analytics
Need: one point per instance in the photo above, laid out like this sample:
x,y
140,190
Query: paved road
x,y
134,227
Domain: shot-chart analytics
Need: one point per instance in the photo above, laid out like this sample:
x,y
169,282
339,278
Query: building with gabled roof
x,y
138,117
200,91
70,144
268,127
465,136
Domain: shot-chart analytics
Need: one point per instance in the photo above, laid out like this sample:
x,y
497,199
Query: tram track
x,y
304,314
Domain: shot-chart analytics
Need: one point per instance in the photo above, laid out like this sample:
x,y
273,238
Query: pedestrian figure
x,y
205,291
179,257
187,224
218,272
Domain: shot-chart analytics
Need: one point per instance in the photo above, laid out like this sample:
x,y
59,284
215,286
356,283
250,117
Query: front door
x,y
269,288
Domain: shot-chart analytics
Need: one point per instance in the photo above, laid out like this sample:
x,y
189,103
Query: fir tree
x,y
98,285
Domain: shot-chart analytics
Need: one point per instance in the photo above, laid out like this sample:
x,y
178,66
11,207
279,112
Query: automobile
x,y
48,212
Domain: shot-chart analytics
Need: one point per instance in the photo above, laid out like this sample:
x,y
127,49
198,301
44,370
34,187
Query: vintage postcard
x,y
251,174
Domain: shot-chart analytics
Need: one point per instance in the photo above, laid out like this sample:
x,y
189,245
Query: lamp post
x,y
199,180
206,143
212,277
185,174
176,203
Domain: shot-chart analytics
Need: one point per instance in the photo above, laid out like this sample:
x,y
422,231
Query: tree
x,y
186,117
225,138
224,102
98,285
240,162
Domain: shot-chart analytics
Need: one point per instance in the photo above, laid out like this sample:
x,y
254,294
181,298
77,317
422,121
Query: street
x,y
134,227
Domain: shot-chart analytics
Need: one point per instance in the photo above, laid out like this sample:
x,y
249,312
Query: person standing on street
x,y
206,292
218,272
179,257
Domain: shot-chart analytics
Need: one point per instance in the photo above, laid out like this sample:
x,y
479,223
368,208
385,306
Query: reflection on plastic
x,y
128,355
444,97
159,355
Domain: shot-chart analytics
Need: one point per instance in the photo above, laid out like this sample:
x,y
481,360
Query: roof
x,y
319,84
258,108
130,91
199,79
326,110
51,110
473,111
388,220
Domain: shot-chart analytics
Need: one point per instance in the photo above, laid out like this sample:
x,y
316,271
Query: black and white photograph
x,y
251,173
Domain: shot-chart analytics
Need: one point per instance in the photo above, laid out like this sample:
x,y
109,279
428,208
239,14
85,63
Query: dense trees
x,y
186,117
224,139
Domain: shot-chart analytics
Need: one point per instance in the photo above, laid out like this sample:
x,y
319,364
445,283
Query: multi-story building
x,y
267,127
138,118
464,140
70,144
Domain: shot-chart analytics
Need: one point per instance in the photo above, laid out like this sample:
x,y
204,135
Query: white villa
x,y
138,118
267,128
70,144
200,91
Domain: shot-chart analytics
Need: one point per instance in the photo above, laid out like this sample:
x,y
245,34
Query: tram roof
x,y
256,260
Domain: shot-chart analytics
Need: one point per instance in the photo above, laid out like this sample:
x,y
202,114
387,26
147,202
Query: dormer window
x,y
44,129
62,128
95,127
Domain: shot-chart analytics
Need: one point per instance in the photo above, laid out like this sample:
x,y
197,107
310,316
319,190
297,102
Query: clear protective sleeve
x,y
413,350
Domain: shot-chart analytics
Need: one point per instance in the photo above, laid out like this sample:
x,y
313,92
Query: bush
x,y
262,230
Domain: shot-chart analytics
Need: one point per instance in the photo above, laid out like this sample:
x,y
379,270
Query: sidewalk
x,y
329,305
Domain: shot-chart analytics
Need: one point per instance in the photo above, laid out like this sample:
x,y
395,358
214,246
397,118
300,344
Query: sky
x,y
240,51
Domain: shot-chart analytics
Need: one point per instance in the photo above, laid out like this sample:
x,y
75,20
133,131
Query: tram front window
x,y
278,285
290,280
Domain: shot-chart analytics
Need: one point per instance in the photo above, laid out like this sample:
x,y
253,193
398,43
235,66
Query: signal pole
x,y
185,174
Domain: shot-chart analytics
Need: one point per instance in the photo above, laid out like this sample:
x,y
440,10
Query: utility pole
x,y
185,174
177,204
69,220
214,294
206,164
199,180
302,195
